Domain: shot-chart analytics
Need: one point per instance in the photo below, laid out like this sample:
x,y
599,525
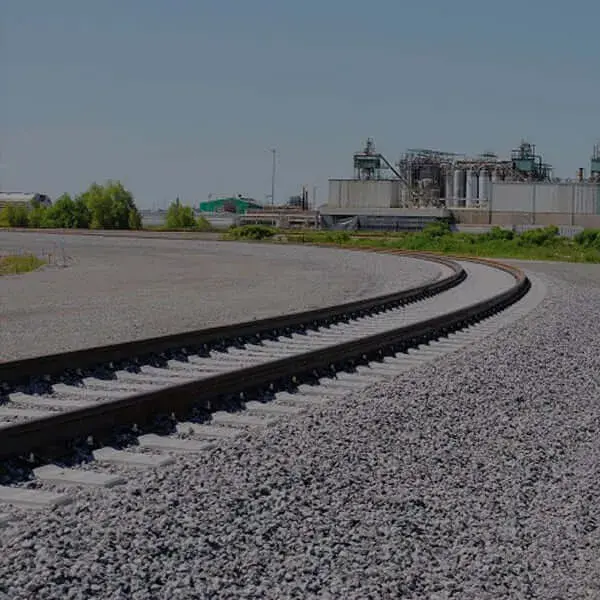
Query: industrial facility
x,y
483,189
23,199
233,204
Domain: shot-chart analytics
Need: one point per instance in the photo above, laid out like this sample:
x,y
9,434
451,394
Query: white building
x,y
22,199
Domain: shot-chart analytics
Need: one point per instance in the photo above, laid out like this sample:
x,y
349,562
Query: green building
x,y
235,205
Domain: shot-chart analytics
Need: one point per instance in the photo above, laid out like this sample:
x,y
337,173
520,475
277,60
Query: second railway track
x,y
100,407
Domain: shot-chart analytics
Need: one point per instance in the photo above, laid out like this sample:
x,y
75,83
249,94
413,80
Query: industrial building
x,y
484,189
22,199
234,204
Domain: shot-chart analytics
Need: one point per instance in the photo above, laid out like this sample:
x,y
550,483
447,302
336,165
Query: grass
x,y
540,244
15,265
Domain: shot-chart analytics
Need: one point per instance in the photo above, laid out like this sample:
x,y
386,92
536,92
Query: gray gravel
x,y
473,478
119,289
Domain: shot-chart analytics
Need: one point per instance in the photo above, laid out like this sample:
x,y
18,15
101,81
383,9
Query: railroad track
x,y
105,411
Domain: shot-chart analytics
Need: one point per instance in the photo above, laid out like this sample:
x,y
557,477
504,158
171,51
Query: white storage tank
x,y
484,185
458,188
470,188
475,185
449,188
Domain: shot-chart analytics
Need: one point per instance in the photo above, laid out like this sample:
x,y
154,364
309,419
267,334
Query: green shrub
x,y
14,265
65,213
180,216
437,229
252,232
109,206
337,237
588,238
497,233
539,237
14,216
203,224
540,244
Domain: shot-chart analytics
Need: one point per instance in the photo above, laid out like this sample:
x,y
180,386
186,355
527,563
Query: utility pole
x,y
273,176
1,167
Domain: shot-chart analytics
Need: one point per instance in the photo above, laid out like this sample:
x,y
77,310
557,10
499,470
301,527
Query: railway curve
x,y
186,393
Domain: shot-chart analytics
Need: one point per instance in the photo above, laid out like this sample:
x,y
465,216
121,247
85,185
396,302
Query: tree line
x,y
180,216
108,206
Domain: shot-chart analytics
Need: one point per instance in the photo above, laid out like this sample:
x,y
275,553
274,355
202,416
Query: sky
x,y
186,98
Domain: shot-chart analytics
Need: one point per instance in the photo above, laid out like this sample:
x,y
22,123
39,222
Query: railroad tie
x,y
77,477
163,442
131,459
33,499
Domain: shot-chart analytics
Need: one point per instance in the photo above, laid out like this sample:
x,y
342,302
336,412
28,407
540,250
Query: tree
x,y
179,216
203,224
65,213
36,215
111,207
14,216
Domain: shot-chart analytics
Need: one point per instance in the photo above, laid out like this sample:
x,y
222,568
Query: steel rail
x,y
54,364
211,392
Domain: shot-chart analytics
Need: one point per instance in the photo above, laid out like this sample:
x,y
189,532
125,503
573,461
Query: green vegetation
x,y
179,216
13,265
538,244
251,232
14,216
108,206
182,217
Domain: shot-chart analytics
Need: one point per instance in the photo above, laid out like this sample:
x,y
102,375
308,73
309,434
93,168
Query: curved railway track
x,y
135,404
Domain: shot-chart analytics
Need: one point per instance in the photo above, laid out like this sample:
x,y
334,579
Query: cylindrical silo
x,y
484,185
470,189
404,197
449,188
458,181
475,186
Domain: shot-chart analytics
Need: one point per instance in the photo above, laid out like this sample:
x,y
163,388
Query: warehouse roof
x,y
238,205
16,197
21,197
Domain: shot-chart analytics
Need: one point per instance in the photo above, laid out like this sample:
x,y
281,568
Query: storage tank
x,y
475,186
449,188
470,188
404,197
458,188
484,185
496,175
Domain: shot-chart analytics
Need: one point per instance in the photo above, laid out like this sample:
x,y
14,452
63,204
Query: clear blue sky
x,y
185,97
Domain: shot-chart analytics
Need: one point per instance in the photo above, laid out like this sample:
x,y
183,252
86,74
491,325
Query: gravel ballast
x,y
121,289
474,477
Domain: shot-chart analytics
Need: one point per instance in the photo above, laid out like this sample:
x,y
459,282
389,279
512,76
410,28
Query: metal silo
x,y
458,188
449,188
475,185
470,187
484,185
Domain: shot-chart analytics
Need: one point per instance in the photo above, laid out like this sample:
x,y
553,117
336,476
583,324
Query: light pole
x,y
2,166
273,176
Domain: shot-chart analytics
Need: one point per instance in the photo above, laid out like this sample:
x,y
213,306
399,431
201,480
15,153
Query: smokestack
x,y
580,174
